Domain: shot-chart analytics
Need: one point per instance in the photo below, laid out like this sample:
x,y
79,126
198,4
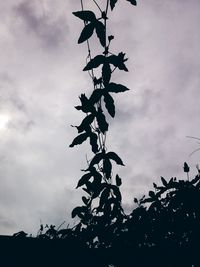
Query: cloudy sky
x,y
41,78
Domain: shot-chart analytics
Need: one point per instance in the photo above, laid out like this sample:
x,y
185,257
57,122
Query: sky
x,y
41,78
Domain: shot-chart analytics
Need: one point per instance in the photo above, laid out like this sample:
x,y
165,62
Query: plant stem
x,y
97,5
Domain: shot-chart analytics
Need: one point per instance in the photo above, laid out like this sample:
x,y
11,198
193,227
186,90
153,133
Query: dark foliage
x,y
166,221
101,211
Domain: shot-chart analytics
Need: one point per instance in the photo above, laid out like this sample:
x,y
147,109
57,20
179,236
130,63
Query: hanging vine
x,y
101,212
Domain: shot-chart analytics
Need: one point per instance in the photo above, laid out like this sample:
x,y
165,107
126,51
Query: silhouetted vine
x,y
101,212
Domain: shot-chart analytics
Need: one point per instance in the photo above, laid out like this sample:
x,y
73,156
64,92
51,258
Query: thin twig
x,y
60,225
193,137
194,151
97,5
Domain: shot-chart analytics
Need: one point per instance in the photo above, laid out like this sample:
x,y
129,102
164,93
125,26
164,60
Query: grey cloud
x,y
6,223
51,31
12,103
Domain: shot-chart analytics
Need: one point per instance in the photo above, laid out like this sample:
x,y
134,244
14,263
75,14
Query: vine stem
x,y
97,5
105,23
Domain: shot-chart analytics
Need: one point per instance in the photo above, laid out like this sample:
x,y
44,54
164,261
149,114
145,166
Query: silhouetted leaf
x,y
110,38
116,88
87,190
79,139
114,60
96,174
94,62
107,167
116,192
96,159
86,33
109,104
118,61
84,179
85,15
164,181
155,186
186,168
121,64
85,200
104,197
133,2
97,81
152,194
76,211
93,142
118,180
196,179
106,73
115,157
112,4
101,120
97,188
101,33
85,123
86,105
96,96
171,181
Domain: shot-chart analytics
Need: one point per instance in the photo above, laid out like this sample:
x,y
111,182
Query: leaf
x,y
107,167
84,179
106,73
113,59
112,4
97,81
76,211
155,186
86,105
86,33
101,33
118,180
85,123
133,2
93,142
116,88
115,157
118,61
96,96
101,120
186,168
164,181
85,15
152,194
85,200
97,176
97,158
94,62
110,38
109,104
117,193
79,139
104,197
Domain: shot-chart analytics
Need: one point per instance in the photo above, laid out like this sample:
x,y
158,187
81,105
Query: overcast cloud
x,y
41,78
